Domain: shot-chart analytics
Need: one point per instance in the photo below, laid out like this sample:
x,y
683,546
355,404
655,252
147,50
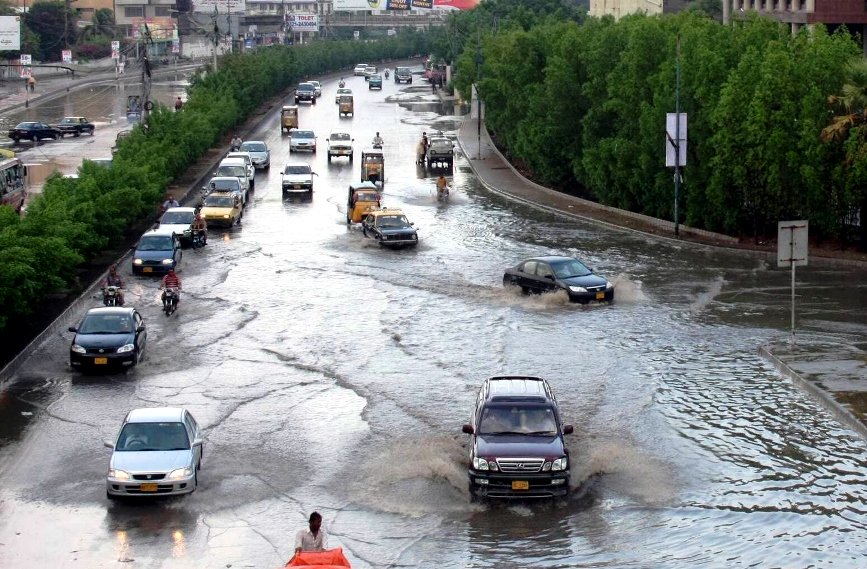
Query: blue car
x,y
158,250
375,82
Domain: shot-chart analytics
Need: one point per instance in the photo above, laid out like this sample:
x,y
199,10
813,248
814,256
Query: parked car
x,y
517,447
403,75
374,82
237,168
305,92
342,91
551,273
180,221
157,251
297,178
259,153
76,126
317,88
440,152
223,209
108,337
360,69
34,131
157,452
390,228
302,140
340,144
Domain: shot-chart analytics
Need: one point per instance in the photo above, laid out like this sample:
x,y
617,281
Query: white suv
x,y
360,68
340,144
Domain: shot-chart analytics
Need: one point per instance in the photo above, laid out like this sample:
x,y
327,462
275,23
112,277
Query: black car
x,y
76,126
403,75
305,92
517,445
34,131
390,228
545,274
109,337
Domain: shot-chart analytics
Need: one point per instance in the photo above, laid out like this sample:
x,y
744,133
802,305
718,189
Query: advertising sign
x,y
176,45
455,4
66,56
161,28
304,22
422,4
396,5
26,59
221,6
115,50
10,33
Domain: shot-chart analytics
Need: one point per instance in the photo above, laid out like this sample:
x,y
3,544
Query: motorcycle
x,y
342,84
443,193
170,301
386,73
377,144
198,239
111,296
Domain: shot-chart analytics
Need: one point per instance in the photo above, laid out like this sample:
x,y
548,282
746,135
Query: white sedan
x,y
360,68
302,140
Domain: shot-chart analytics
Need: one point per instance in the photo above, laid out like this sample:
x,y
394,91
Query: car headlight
x,y
560,464
126,348
119,474
136,261
168,261
608,285
577,289
78,349
180,473
225,216
480,463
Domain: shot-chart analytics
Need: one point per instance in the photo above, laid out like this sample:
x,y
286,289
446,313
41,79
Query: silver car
x,y
259,153
302,140
158,452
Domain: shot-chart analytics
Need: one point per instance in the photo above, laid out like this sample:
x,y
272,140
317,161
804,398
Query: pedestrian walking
x,y
179,105
31,83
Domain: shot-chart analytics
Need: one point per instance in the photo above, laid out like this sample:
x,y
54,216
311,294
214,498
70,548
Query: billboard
x,y
396,5
220,6
161,28
303,22
10,33
455,4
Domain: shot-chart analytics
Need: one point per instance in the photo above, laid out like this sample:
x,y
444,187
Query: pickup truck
x,y
76,126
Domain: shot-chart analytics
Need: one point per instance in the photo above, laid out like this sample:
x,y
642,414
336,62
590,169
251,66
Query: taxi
x,y
221,209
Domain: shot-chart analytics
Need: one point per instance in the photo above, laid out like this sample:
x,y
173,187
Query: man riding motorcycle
x,y
236,143
171,280
342,83
113,279
200,228
377,141
442,187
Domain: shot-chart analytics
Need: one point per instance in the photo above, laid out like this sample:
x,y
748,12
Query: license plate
x,y
520,485
148,488
600,296
100,361
148,270
297,186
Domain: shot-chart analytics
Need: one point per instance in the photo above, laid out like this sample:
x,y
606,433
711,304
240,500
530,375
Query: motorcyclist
x,y
442,186
113,279
199,227
170,203
171,280
377,141
236,143
342,83
386,72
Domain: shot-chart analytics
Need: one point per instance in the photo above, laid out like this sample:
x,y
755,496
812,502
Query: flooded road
x,y
332,375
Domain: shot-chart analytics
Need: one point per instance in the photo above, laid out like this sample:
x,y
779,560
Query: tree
x,y
54,23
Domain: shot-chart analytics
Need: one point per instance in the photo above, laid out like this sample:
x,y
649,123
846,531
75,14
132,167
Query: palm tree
x,y
853,100
102,24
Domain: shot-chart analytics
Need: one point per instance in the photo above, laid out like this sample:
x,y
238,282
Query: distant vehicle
x,y
403,75
517,446
552,273
237,168
302,140
317,88
76,126
297,178
305,92
360,69
158,452
180,221
374,82
342,91
226,184
108,337
390,228
34,131
369,71
247,158
362,198
340,144
259,153
440,152
221,208
157,251
14,191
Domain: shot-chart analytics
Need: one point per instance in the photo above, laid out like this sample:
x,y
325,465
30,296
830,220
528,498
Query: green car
x,y
375,82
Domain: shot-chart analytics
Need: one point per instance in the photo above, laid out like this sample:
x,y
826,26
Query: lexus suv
x,y
517,446
305,92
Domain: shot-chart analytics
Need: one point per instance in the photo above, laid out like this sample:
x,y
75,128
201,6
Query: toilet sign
x,y
792,252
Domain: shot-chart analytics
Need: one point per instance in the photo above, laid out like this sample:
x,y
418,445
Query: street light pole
x,y
479,61
216,36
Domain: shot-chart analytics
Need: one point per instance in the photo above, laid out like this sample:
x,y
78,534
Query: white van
x,y
236,167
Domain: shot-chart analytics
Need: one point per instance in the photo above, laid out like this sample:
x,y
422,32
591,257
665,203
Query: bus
x,y
13,183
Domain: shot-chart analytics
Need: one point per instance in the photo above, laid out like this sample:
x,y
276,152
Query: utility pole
x,y
146,77
479,61
216,35
677,139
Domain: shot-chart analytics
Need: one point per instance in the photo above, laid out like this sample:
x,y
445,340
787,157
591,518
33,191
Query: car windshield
x,y
392,221
340,136
226,185
523,420
365,197
570,268
219,201
106,324
303,134
156,243
297,170
305,87
69,121
254,147
138,437
178,217
236,171
344,91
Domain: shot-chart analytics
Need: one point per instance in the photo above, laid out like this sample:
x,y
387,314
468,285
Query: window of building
x,y
162,11
133,11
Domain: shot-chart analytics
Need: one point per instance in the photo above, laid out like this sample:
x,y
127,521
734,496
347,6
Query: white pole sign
x,y
792,251
671,134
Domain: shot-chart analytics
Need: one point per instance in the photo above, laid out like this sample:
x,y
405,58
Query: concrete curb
x,y
839,412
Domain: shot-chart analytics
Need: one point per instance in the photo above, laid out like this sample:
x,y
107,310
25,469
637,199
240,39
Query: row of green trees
x,y
73,220
582,106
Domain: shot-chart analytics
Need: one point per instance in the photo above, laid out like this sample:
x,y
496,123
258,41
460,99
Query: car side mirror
x,y
108,444
73,329
468,429
140,329
568,429
198,442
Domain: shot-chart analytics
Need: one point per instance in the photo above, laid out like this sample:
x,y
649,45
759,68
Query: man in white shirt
x,y
312,539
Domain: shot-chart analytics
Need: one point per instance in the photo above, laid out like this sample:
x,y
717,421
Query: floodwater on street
x,y
330,374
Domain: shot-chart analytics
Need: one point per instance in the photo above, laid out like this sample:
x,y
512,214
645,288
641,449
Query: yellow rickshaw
x,y
346,106
373,167
362,199
288,118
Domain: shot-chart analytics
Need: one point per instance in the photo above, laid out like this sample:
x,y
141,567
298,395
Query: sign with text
x,y
66,55
393,5
161,28
220,6
421,4
26,59
672,130
303,22
10,33
25,72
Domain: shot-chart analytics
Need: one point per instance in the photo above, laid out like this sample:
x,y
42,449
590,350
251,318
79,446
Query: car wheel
x,y
34,138
329,157
314,150
76,134
525,290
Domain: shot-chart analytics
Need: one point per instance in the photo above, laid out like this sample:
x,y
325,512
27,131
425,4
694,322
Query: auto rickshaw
x,y
373,167
346,106
362,199
288,118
